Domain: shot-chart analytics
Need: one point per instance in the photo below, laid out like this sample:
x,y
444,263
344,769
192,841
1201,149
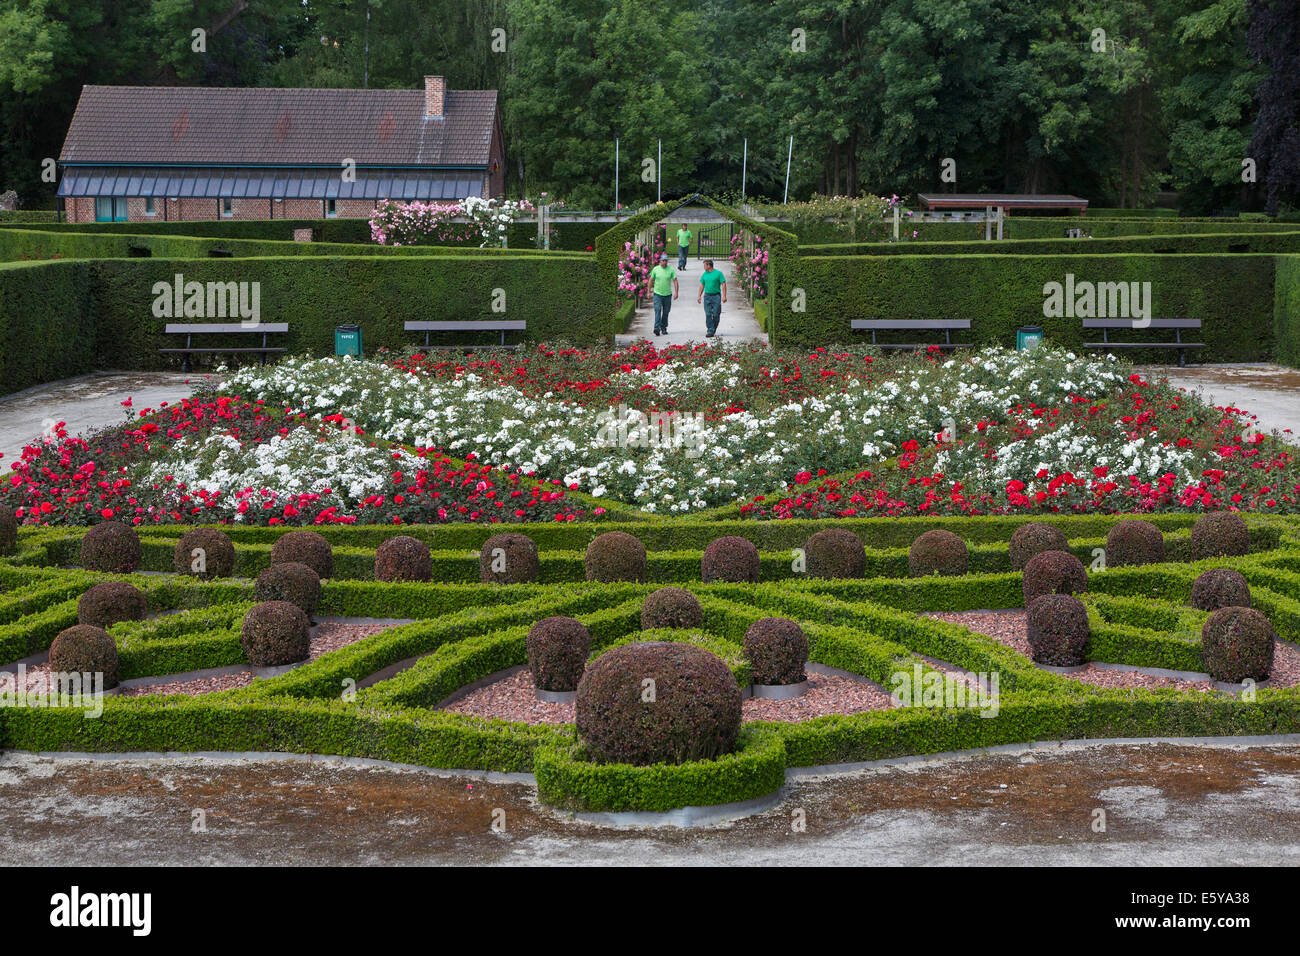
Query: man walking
x,y
663,279
684,237
713,291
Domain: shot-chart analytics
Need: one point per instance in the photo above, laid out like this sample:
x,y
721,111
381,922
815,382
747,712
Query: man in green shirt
x,y
663,280
684,237
713,292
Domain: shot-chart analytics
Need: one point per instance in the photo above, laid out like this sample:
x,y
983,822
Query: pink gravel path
x,y
1011,629
514,698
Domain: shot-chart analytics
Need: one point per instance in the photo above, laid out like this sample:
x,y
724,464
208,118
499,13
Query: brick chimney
x,y
435,96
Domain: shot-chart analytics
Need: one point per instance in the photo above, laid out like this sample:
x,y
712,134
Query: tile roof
x,y
277,126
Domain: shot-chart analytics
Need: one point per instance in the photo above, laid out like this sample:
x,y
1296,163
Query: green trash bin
x,y
347,340
1028,337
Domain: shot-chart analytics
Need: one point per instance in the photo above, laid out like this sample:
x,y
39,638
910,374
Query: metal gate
x,y
713,240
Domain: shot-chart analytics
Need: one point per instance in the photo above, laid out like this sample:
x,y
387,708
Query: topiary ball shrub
x,y
1218,534
1058,629
777,648
8,530
731,558
1218,588
86,649
403,558
938,552
835,553
509,558
1134,541
558,648
292,582
671,607
1053,572
111,546
1237,643
275,633
1037,537
205,553
658,702
616,556
305,547
106,604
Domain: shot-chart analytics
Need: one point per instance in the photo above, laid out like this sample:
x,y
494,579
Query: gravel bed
x,y
203,685
514,698
1010,628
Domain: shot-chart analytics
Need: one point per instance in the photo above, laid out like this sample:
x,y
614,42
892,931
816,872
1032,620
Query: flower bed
x,y
224,459
691,429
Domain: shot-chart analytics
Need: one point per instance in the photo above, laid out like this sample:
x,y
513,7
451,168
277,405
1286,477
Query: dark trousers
x,y
682,252
712,311
663,304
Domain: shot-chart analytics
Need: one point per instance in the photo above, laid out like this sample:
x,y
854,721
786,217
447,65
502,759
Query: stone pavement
x,y
686,320
1270,392
84,403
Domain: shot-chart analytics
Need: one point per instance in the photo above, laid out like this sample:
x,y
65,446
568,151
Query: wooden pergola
x,y
992,208
1007,202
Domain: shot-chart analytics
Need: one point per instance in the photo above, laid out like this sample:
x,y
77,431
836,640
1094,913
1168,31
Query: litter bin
x,y
1028,337
347,340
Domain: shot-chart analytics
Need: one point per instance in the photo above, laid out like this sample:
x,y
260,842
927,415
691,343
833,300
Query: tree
x,y
1274,40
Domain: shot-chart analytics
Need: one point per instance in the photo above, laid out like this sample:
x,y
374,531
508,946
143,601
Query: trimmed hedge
x,y
1137,615
522,236
20,244
100,312
1232,295
1219,243
1286,311
568,778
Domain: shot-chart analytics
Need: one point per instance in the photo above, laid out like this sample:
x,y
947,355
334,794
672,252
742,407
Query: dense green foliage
x,y
1023,95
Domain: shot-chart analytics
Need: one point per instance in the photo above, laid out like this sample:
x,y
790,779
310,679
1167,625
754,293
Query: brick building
x,y
145,154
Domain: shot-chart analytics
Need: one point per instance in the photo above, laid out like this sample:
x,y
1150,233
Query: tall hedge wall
x,y
1286,310
1222,242
1233,295
47,323
100,312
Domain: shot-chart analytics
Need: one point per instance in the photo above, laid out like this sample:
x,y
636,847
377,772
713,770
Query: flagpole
x,y
788,156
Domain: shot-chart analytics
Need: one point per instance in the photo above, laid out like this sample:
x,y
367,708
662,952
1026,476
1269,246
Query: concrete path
x,y
85,403
686,320
1270,392
1107,805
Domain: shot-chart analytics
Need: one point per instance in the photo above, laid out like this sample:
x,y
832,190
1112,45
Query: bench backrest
x,y
225,328
494,326
1146,324
884,325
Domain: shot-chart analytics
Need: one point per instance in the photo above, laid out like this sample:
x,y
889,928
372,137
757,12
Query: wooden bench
x,y
499,325
947,326
189,330
1177,325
